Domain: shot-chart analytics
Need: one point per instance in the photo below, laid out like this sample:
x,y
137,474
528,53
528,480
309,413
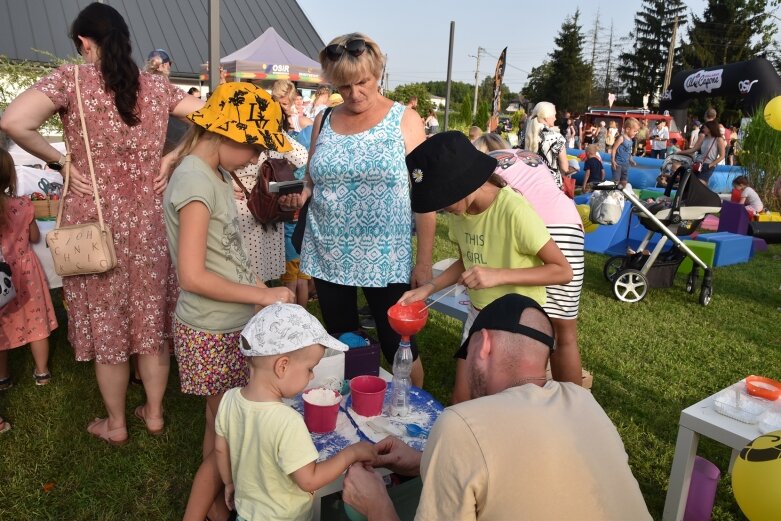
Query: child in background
x,y
265,454
621,152
673,148
219,291
594,170
29,318
742,193
504,244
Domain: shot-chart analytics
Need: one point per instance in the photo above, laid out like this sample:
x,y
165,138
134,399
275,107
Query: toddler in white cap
x,y
265,454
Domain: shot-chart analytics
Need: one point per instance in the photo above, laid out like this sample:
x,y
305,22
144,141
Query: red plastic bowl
x,y
408,320
368,394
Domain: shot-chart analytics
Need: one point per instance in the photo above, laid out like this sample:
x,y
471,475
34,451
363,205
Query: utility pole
x,y
668,70
477,76
449,73
609,55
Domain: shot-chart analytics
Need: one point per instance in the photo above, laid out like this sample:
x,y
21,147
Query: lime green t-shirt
x,y
506,235
268,441
194,180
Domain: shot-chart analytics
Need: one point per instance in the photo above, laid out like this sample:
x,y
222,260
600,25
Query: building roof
x,y
181,27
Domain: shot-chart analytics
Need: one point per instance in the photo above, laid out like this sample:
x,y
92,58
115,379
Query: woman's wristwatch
x,y
59,164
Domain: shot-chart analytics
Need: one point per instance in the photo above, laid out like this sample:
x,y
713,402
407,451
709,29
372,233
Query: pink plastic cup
x,y
368,394
320,418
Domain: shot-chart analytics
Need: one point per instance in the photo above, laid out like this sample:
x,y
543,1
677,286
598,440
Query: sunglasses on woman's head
x,y
354,47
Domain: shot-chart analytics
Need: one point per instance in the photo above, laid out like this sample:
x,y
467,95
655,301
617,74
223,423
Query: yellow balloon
x,y
773,113
756,478
584,210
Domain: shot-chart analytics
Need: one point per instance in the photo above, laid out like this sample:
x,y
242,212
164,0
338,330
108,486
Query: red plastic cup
x,y
319,418
368,394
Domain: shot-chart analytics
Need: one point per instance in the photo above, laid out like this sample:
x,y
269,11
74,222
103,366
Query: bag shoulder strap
x,y
241,185
85,136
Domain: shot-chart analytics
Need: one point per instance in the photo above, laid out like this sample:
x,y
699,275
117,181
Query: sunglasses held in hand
x,y
354,47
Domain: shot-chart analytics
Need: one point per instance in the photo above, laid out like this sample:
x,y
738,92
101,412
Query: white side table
x,y
700,419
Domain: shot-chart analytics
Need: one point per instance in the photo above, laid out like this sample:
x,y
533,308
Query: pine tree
x,y
641,69
569,76
730,31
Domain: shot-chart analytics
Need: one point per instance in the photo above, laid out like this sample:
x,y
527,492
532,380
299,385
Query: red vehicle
x,y
620,114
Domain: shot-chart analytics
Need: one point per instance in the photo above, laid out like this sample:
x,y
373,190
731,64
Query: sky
x,y
415,34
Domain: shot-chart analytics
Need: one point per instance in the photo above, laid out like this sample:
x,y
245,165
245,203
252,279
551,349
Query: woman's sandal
x,y
43,378
99,429
154,426
4,425
6,383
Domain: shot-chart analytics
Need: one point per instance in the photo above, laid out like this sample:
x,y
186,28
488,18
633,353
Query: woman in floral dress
x,y
124,311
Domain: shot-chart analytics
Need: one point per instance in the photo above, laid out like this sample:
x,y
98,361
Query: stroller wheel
x,y
706,294
612,267
630,286
691,283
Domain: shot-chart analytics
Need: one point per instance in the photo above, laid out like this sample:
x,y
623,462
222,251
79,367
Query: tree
x,y
537,83
20,75
485,93
642,67
403,93
570,74
465,110
458,90
729,31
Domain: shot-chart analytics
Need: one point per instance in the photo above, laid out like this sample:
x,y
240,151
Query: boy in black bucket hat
x,y
504,245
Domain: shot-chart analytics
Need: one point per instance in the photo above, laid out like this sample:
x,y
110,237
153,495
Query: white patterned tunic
x,y
359,220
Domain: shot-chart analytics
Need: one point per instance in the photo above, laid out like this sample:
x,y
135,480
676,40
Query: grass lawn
x,y
649,360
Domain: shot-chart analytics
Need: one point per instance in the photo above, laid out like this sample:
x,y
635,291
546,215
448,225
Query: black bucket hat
x,y
444,169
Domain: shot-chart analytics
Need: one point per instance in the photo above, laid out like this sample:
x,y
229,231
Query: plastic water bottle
x,y
402,367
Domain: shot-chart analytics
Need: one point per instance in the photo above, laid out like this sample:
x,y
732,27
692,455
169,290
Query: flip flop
x,y
99,429
6,383
154,426
4,425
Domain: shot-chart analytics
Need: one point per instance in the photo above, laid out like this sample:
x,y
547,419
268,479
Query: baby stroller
x,y
632,274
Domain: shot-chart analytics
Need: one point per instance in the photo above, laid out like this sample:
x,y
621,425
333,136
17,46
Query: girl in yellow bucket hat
x,y
219,291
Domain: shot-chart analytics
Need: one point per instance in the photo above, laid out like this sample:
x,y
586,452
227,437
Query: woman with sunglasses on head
x,y
124,311
357,232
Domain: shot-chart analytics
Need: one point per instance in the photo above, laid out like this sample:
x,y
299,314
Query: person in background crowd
x,y
432,123
659,137
747,196
158,61
641,138
357,232
285,93
543,140
712,150
600,136
412,103
593,169
320,102
621,152
516,419
194,91
126,310
474,133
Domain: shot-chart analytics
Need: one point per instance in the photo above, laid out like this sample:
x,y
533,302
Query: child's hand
x,y
229,493
414,295
480,277
362,452
632,162
614,165
279,294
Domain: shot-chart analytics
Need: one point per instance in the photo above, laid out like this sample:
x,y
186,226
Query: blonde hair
x,y
631,122
349,69
542,111
490,142
591,150
284,89
153,66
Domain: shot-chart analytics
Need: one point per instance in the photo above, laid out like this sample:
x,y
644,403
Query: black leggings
x,y
339,306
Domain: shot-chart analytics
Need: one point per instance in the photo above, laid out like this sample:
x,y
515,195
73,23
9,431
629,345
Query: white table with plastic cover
x,y
700,419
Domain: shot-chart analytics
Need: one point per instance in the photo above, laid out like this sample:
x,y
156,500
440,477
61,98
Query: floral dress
x,y
30,316
128,310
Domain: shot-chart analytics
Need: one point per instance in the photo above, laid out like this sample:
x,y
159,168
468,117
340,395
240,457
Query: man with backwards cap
x,y
523,447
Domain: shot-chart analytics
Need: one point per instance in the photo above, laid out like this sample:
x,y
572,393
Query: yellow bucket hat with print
x,y
244,113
